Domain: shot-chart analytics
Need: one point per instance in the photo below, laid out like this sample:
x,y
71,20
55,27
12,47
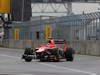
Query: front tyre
x,y
28,59
28,51
27,56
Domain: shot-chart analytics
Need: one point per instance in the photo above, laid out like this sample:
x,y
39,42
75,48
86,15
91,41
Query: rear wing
x,y
60,41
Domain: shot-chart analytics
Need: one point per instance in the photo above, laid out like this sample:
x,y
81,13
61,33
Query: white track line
x,y
66,68
54,66
9,56
24,74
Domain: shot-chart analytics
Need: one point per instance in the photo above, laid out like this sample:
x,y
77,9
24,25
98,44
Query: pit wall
x,y
86,47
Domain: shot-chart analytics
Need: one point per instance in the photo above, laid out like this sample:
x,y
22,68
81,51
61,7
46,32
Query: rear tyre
x,y
69,54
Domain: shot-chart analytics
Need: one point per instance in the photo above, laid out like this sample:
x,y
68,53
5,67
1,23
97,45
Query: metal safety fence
x,y
75,27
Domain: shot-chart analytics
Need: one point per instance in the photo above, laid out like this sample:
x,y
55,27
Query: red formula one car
x,y
53,51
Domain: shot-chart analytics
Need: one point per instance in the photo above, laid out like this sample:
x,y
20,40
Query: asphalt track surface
x,y
12,64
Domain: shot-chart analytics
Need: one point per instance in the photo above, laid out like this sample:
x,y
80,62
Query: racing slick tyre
x,y
28,51
69,54
28,59
24,56
27,55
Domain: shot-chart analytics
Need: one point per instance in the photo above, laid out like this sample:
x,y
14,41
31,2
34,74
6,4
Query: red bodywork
x,y
53,51
50,45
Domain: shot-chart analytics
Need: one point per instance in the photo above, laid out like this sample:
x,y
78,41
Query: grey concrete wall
x,y
91,47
